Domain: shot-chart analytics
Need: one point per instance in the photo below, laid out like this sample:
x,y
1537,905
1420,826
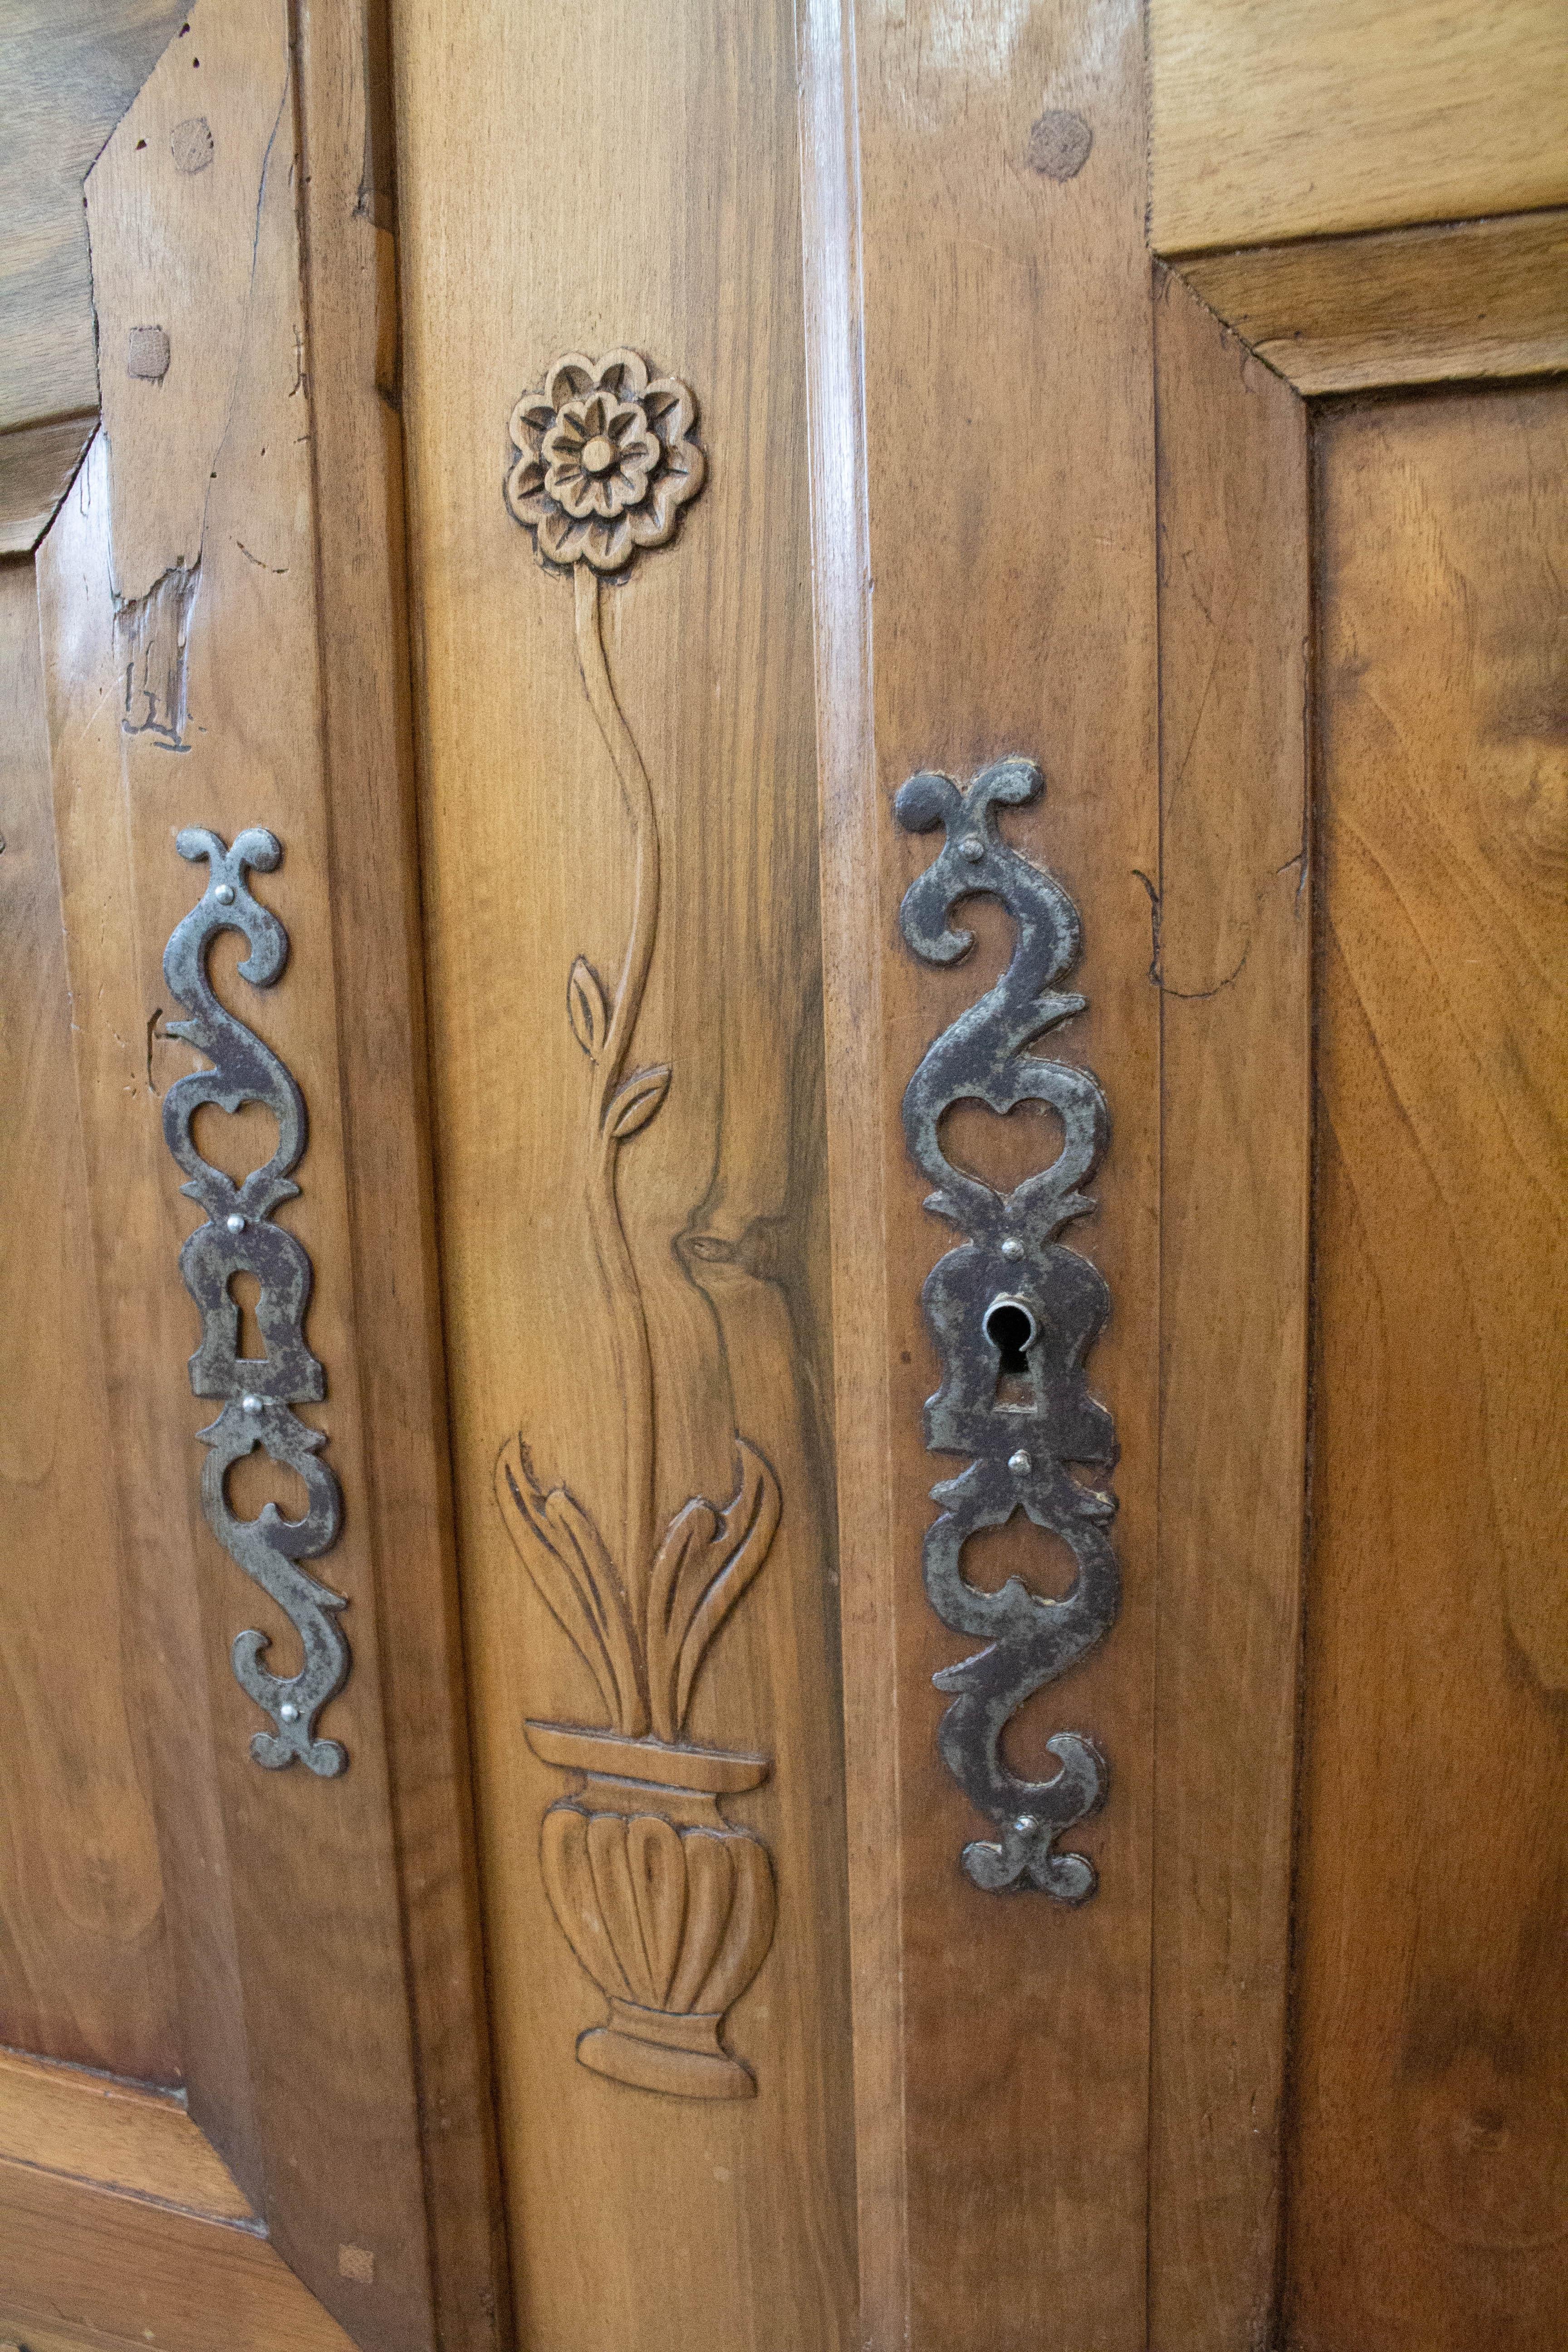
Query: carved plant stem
x,y
633,1362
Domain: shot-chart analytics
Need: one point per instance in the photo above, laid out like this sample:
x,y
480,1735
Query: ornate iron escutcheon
x,y
239,1238
1014,1314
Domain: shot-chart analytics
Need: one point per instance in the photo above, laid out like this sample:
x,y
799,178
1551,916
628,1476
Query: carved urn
x,y
669,1906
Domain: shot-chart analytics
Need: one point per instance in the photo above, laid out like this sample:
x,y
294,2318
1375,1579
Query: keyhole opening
x,y
1010,1329
249,1346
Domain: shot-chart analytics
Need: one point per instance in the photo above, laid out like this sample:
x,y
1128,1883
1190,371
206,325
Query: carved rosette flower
x,y
605,460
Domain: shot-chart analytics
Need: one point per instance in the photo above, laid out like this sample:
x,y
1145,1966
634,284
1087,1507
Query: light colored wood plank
x,y
36,464
659,2221
85,2270
1300,118
69,69
1236,994
112,2134
1458,303
852,813
356,450
211,566
994,478
1428,2203
84,1969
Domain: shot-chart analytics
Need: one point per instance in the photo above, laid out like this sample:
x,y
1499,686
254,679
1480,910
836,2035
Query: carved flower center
x,y
599,455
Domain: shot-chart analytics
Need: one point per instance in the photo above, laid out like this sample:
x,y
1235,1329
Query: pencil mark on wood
x,y
1014,1313
239,1237
667,1907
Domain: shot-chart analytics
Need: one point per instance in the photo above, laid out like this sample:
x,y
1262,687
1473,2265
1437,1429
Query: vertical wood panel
x,y
1003,462
84,1970
1429,2183
577,180
1235,1004
222,643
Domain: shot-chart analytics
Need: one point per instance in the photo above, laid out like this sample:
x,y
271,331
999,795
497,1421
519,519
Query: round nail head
x,y
224,893
287,1711
1019,1465
971,847
235,1222
248,1403
1012,1249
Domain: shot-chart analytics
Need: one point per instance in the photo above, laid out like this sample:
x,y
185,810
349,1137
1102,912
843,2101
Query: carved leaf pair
x,y
633,1104
645,1673
579,1582
673,1920
700,1569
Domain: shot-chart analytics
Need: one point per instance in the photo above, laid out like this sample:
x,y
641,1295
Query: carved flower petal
x,y
523,486
654,522
568,378
565,438
671,408
608,546
688,471
625,372
640,452
532,415
575,489
561,540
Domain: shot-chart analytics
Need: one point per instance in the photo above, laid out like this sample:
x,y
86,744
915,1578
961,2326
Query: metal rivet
x,y
971,847
1019,1463
224,893
248,1403
1025,1825
1013,1248
287,1711
236,1223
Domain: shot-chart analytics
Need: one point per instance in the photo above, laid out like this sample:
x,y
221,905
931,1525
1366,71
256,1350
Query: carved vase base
x,y
655,2049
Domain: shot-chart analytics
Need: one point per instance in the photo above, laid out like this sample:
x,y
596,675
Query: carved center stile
x,y
668,1906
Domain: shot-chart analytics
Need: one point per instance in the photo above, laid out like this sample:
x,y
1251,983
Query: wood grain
x,y
221,631
37,466
660,212
1278,119
112,2135
1007,513
356,450
84,1970
1429,2167
1462,302
86,2270
1235,970
68,69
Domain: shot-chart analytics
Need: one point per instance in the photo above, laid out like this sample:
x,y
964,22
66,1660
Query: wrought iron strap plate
x,y
239,1238
1014,1314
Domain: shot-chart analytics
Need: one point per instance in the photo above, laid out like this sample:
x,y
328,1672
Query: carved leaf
x,y
699,1571
636,1102
585,1006
572,1569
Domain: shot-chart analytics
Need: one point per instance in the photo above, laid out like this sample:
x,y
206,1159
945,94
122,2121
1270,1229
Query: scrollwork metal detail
x,y
1015,1313
238,1237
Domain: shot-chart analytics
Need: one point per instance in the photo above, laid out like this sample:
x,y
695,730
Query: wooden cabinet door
x,y
245,2098
926,922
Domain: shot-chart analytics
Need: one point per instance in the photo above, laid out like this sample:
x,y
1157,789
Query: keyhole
x,y
1010,1329
251,1347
